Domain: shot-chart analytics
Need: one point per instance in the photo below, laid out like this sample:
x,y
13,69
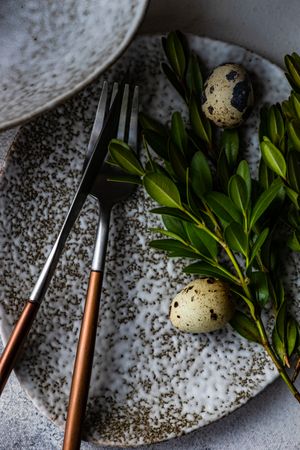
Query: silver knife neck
x,y
48,270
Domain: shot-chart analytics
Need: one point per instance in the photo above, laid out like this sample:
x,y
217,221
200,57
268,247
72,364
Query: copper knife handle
x,y
15,344
83,364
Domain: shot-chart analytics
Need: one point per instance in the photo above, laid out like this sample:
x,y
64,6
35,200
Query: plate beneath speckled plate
x,y
52,49
149,382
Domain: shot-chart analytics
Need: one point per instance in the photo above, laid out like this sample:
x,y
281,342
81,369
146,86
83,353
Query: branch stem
x,y
281,370
240,280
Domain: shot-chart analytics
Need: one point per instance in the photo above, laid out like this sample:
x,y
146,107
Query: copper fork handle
x,y
83,364
15,344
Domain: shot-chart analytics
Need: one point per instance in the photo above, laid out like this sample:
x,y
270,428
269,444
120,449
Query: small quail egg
x,y
227,96
203,305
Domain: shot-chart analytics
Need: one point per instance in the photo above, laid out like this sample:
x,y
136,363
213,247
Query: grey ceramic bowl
x,y
51,49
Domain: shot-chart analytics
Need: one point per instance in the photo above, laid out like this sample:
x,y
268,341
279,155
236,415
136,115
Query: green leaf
x,y
173,212
175,53
244,172
193,76
200,124
164,244
281,327
264,201
170,171
294,217
169,234
125,157
278,345
187,187
266,249
275,125
109,160
245,326
294,134
236,238
266,176
276,291
230,144
174,248
183,253
238,192
202,241
191,147
293,196
293,68
178,133
208,270
292,335
178,162
223,207
281,321
153,166
201,178
273,157
288,110
158,142
163,190
260,286
126,179
249,303
294,170
279,290
147,123
174,225
295,100
258,244
223,171
294,241
193,204
263,123
173,79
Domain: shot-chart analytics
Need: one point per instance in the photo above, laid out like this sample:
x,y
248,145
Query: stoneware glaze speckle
x,y
150,382
51,49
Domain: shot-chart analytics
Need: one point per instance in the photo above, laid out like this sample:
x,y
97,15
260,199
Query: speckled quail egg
x,y
203,305
227,96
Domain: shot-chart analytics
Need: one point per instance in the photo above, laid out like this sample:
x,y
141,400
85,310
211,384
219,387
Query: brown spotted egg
x,y
227,96
203,305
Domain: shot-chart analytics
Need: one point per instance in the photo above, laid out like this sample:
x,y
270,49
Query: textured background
x,y
271,420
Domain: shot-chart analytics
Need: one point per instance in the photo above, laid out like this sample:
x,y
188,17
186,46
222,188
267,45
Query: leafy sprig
x,y
212,211
280,146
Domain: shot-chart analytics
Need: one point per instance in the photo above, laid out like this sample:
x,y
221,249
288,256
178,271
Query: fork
x,y
107,193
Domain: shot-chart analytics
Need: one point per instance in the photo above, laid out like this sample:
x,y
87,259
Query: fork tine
x,y
123,114
114,92
99,119
133,121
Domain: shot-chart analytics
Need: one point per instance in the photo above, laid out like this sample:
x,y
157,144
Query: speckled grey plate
x,y
150,382
51,49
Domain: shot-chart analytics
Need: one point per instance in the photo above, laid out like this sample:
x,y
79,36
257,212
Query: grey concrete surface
x,y
268,27
271,420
